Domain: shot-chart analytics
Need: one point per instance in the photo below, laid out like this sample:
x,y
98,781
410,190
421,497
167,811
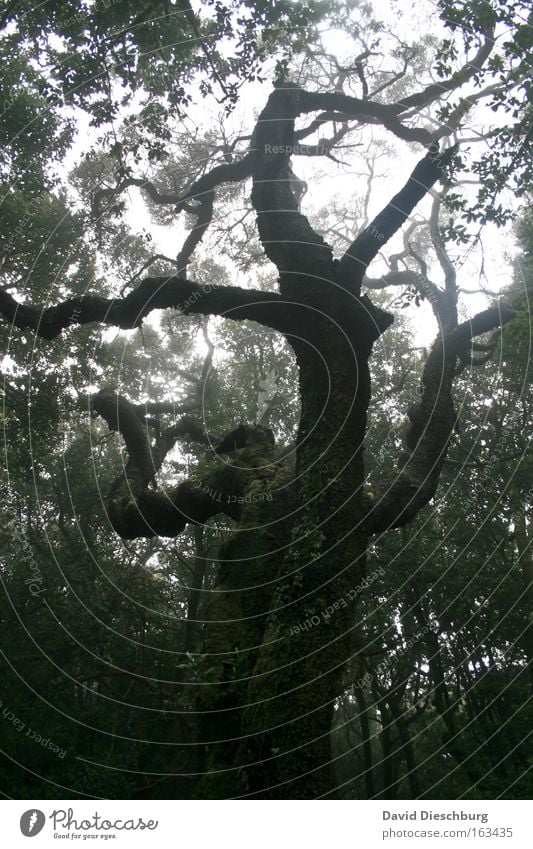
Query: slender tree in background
x,y
294,616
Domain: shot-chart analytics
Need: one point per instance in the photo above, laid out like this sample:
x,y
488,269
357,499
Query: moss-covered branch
x,y
137,509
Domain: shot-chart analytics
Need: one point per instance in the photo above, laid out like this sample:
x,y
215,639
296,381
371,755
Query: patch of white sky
x,y
484,263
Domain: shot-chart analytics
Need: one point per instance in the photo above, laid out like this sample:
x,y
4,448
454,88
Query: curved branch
x,y
287,237
204,216
448,268
444,308
137,511
432,423
146,265
405,277
283,230
334,106
146,457
208,361
368,243
228,172
435,90
344,107
461,109
152,293
160,198
485,321
224,173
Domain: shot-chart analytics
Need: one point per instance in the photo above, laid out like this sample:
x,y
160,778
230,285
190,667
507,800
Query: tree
x,y
279,633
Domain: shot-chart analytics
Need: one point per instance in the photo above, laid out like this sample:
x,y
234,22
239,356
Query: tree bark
x,y
367,743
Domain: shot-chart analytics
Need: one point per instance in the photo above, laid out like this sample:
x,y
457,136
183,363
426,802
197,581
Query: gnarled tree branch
x,y
204,215
152,293
368,243
432,92
432,422
287,237
135,510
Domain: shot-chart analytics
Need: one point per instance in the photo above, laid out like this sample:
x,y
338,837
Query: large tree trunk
x,y
236,618
284,749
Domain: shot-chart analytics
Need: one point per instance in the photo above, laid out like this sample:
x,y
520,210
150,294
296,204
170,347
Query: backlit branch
x,y
433,92
287,237
224,173
204,216
151,294
431,424
368,243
